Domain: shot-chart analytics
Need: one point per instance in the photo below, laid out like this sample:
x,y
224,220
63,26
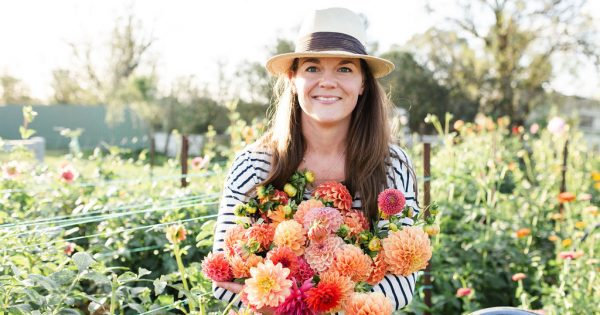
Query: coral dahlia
x,y
374,303
290,234
391,201
262,233
232,236
268,285
304,207
356,222
378,269
319,255
343,282
285,256
350,261
240,267
325,297
216,267
336,193
407,250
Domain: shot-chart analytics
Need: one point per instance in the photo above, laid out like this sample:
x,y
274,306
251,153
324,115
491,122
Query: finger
x,y
231,286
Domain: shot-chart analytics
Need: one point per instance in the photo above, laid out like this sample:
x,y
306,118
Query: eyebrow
x,y
317,61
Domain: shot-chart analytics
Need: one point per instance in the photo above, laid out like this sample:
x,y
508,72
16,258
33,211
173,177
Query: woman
x,y
331,118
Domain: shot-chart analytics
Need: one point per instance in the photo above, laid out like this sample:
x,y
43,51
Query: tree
x,y
14,91
518,48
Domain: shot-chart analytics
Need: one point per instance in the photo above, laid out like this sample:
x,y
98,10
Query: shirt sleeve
x,y
241,178
401,175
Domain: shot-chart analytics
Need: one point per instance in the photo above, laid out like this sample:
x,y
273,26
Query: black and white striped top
x,y
251,166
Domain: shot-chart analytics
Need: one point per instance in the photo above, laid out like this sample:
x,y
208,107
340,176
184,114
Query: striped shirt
x,y
251,166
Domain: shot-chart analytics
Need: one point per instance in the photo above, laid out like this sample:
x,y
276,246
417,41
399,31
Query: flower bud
x,y
343,231
290,190
393,227
432,229
375,244
251,210
239,210
261,192
310,176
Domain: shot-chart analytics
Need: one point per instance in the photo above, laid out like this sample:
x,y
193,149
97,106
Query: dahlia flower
x,y
518,276
277,215
343,282
320,255
318,232
295,303
268,285
566,197
304,207
262,233
232,236
462,292
378,269
325,297
336,193
240,267
68,173
407,250
285,256
175,233
391,201
328,217
290,234
350,261
216,267
523,232
374,303
356,221
303,271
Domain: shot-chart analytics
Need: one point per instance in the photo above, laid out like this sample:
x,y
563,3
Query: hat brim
x,y
281,64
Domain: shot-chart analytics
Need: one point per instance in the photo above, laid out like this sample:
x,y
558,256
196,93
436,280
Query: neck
x,y
324,139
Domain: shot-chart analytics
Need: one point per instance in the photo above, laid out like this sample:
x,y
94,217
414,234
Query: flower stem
x,y
181,268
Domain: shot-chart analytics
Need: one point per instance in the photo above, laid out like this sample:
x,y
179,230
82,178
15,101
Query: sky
x,y
192,37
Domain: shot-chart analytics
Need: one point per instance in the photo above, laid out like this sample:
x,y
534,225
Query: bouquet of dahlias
x,y
319,255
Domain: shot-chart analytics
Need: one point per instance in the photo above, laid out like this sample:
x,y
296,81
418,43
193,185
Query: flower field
x,y
105,234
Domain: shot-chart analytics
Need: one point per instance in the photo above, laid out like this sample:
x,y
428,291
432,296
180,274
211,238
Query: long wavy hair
x,y
369,131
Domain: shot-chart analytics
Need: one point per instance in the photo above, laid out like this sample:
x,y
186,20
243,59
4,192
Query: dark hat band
x,y
323,41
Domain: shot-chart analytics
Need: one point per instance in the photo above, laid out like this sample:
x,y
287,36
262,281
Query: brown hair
x,y
369,132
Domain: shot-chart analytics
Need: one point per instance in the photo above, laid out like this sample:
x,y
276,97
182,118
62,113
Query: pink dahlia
x,y
391,201
295,303
320,255
350,261
356,221
407,250
318,232
285,256
262,233
290,234
303,272
336,193
374,303
216,267
268,285
304,207
328,217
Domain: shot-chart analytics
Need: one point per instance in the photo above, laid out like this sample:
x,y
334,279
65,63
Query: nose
x,y
327,80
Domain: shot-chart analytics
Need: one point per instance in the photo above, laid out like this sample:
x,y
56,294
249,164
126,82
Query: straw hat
x,y
333,32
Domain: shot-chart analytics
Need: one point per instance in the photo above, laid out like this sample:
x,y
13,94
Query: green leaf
x,y
164,300
97,277
69,311
63,277
159,285
127,276
45,282
138,308
142,272
82,260
34,296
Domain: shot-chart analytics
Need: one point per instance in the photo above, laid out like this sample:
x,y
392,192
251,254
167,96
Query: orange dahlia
x,y
325,297
374,303
391,201
350,261
216,267
241,267
290,234
277,215
356,222
319,255
407,250
232,236
336,193
268,285
285,256
343,282
304,207
379,269
262,233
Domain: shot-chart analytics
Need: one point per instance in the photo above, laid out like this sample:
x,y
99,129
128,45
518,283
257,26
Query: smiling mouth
x,y
326,98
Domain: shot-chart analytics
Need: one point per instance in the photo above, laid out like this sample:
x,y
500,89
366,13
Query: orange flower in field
x,y
344,283
262,233
518,276
350,261
379,269
523,232
557,216
580,225
596,176
304,207
462,292
407,250
290,234
553,238
567,242
566,197
374,303
334,192
241,268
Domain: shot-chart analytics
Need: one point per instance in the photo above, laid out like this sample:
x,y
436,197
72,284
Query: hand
x,y
231,286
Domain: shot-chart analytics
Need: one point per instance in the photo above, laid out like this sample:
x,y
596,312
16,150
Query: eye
x,y
311,69
345,69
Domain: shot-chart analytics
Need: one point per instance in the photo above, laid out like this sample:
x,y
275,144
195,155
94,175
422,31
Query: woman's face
x,y
328,88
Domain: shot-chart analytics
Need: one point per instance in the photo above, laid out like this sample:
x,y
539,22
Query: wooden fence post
x,y
184,160
426,202
563,182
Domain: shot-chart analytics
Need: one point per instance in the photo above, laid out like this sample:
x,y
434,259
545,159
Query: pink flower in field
x,y
69,248
268,285
570,255
534,128
462,292
11,169
295,303
68,173
557,125
519,276
200,162
391,201
216,267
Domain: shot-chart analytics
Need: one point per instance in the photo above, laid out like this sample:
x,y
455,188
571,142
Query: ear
x,y
362,89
